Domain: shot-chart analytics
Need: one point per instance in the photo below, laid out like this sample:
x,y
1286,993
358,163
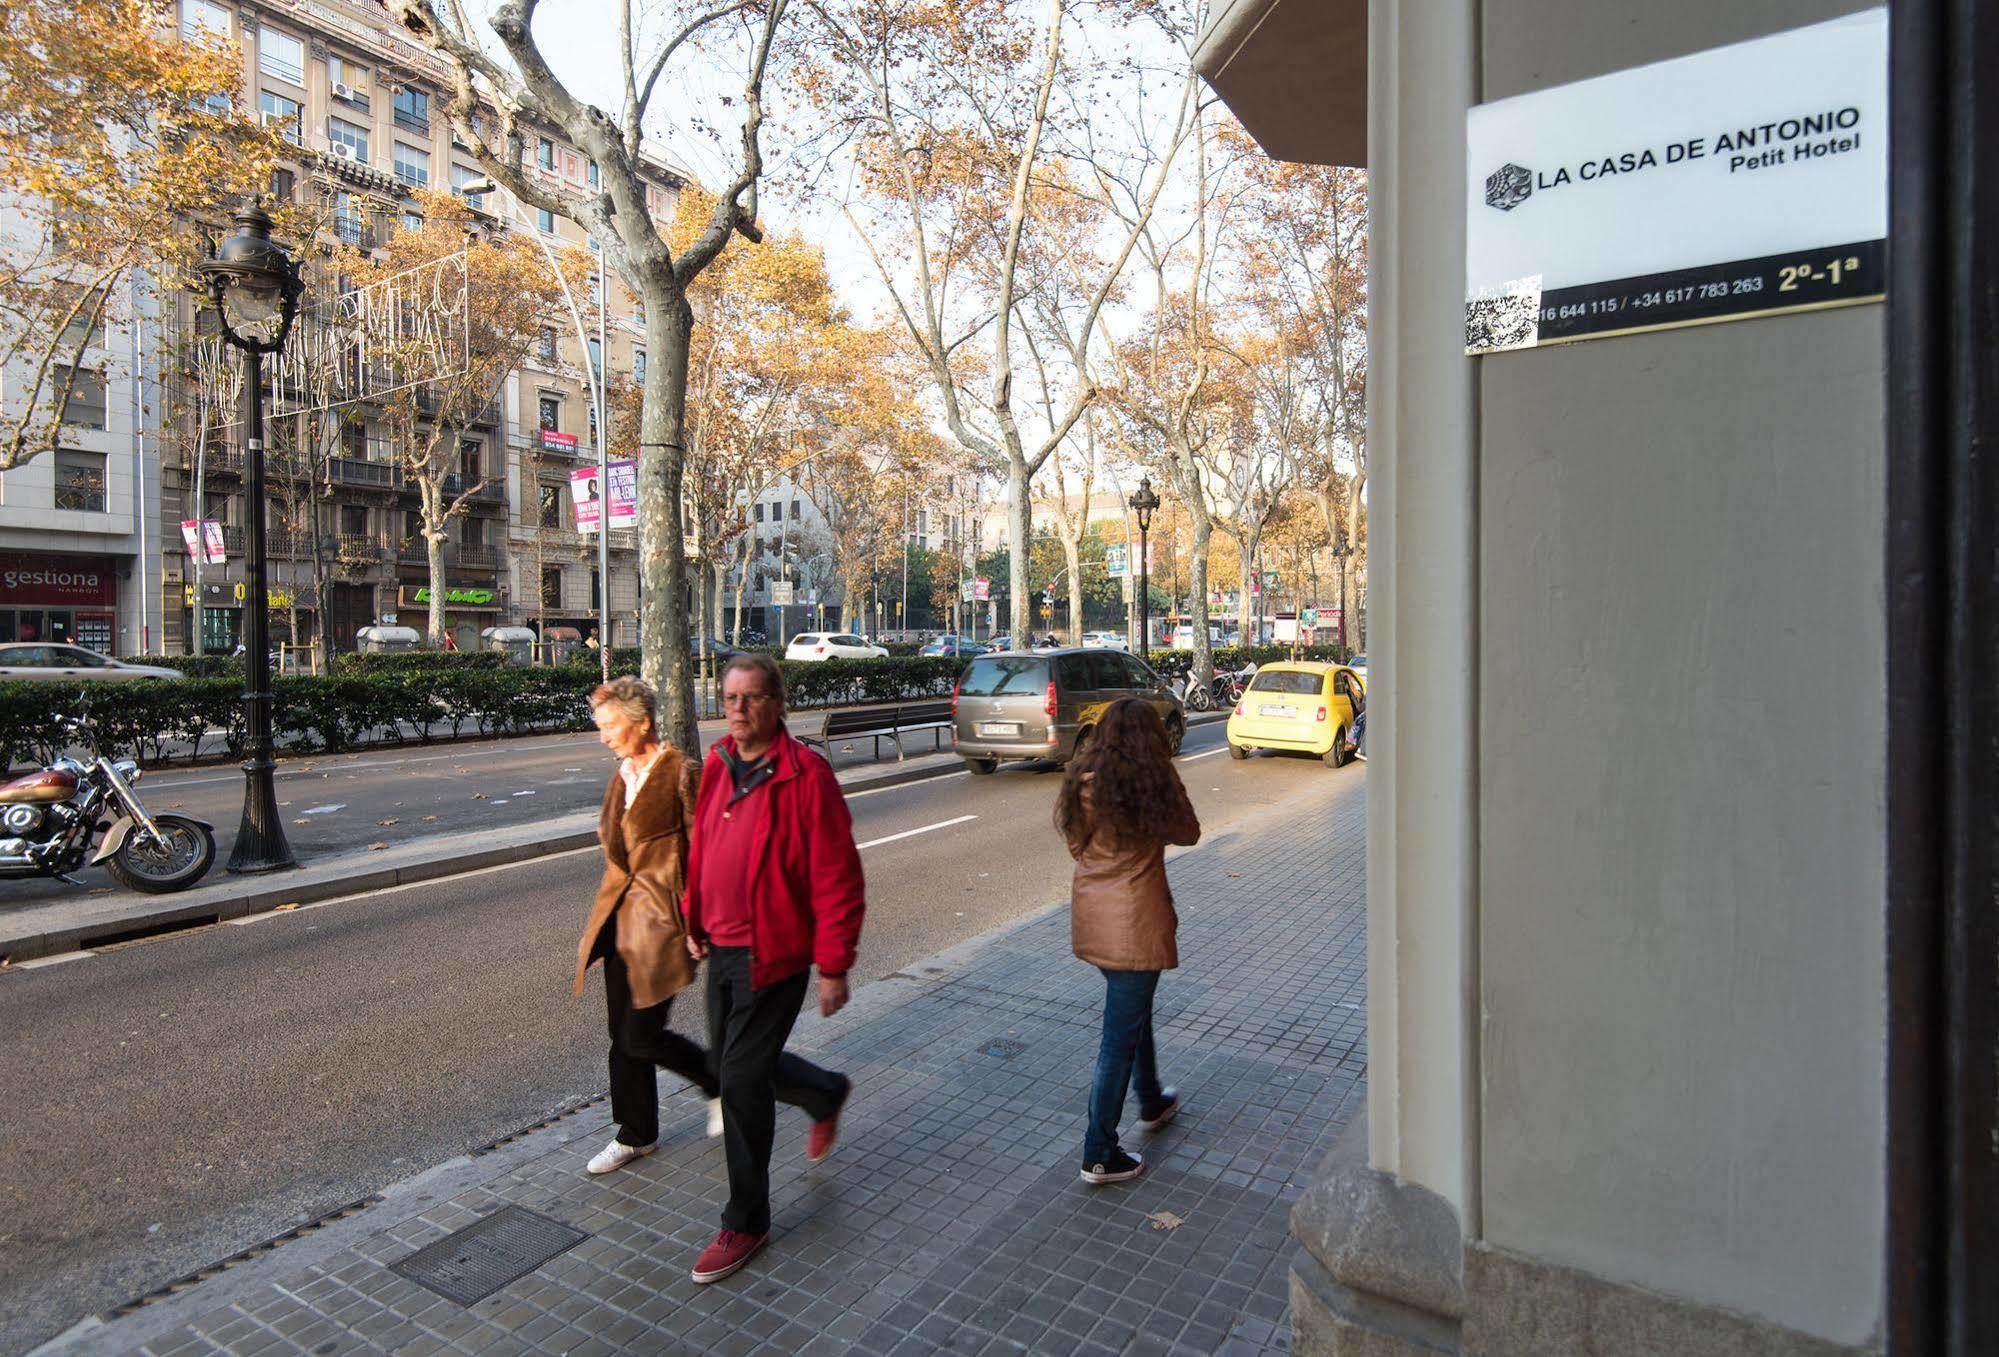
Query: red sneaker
x,y
820,1143
726,1255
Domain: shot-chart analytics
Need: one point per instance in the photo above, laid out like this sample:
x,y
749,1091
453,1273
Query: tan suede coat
x,y
645,874
1120,908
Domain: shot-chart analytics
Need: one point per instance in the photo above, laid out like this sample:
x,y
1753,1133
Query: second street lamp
x,y
253,283
1144,503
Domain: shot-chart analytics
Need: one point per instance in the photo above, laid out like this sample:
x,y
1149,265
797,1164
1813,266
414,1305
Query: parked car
x,y
721,650
996,643
832,645
1300,705
1043,704
1106,640
953,645
46,660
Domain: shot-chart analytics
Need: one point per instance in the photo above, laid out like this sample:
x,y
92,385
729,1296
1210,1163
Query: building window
x,y
413,110
215,105
639,366
352,77
80,480
346,218
544,221
340,132
469,462
596,355
794,511
412,221
282,113
281,56
551,413
551,506
544,153
592,174
412,165
283,184
354,520
472,532
462,175
596,289
204,20
545,346
760,511
551,587
85,404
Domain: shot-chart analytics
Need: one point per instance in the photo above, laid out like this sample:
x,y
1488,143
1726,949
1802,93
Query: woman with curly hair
x,y
1121,804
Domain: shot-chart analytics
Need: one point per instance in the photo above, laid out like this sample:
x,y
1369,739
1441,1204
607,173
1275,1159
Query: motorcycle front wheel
x,y
183,857
1200,698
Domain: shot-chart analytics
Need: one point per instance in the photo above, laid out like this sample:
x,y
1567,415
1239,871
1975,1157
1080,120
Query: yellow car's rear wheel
x,y
1336,757
1237,751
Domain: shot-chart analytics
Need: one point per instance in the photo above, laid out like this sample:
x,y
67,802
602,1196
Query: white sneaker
x,y
617,1154
714,1117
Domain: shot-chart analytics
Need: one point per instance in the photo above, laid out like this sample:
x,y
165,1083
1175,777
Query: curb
x,y
139,920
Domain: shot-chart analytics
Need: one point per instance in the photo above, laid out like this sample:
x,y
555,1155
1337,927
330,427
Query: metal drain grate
x,y
1003,1049
471,1264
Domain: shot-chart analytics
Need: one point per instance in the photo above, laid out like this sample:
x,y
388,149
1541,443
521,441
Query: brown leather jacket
x,y
645,872
1120,909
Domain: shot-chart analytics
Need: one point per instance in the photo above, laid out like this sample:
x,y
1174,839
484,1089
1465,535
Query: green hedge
x,y
1235,657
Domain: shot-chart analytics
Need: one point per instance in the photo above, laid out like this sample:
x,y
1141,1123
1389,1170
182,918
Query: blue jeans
x,y
1125,1057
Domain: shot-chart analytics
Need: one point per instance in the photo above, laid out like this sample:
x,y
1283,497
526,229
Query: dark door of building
x,y
350,607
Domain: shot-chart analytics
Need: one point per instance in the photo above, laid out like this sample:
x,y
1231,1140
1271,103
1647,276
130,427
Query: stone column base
x,y
1383,1270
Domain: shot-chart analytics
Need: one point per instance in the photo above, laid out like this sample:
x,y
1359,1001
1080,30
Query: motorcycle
x,y
1225,689
50,819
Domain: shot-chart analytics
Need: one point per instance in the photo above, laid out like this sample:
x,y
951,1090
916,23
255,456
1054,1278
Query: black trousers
x,y
747,1029
640,1043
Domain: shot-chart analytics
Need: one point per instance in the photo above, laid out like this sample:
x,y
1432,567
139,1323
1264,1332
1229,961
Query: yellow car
x,y
1301,705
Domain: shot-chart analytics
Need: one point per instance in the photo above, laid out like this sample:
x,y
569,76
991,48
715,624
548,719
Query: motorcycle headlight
x,y
128,770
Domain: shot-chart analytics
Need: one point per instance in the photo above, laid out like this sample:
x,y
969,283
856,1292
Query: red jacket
x,y
809,893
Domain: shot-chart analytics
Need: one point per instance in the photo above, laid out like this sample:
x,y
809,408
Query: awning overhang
x,y
1294,72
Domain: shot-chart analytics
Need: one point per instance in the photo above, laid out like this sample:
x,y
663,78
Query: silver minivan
x,y
1042,704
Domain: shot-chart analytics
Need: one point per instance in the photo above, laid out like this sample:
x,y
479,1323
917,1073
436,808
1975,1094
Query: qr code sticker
x,y
1506,317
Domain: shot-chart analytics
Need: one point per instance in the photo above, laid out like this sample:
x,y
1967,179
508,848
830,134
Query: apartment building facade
x,y
363,105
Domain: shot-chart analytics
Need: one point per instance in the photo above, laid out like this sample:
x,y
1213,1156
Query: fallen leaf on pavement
x,y
1165,1220
1235,873
480,796
392,820
280,909
301,822
376,847
428,818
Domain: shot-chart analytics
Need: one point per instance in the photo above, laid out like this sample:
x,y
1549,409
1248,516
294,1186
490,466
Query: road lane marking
x,y
903,786
912,833
1189,758
58,959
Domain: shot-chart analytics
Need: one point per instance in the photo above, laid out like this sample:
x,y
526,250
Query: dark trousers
x,y
747,1029
1124,1057
641,1042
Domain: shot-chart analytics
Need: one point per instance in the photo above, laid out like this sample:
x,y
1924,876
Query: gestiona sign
x,y
463,599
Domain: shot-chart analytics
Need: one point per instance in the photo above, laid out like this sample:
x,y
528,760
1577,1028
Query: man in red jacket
x,y
773,888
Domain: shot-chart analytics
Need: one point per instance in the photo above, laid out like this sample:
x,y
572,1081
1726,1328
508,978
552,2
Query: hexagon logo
x,y
1508,186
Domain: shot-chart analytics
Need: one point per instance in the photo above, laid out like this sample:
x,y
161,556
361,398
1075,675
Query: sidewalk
x,y
950,1217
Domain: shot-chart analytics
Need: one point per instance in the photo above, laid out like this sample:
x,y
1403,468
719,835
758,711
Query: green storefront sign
x,y
418,596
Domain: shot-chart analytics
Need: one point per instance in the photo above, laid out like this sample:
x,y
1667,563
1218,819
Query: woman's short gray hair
x,y
630,697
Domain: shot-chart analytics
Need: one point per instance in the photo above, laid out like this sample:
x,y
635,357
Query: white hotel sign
x,y
1735,182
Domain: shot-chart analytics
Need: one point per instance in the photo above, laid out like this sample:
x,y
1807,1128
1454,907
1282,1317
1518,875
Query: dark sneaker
x,y
820,1143
726,1255
1118,1167
1167,1109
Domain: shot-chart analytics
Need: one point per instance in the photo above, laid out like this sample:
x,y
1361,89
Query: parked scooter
x,y
1225,689
50,820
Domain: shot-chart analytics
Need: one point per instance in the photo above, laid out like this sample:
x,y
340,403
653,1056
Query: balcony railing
x,y
354,471
478,557
224,461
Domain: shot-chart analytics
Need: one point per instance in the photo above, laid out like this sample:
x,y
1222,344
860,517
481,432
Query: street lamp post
x,y
254,286
1144,503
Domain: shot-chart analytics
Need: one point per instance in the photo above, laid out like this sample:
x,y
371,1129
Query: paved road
x,y
171,1102
342,804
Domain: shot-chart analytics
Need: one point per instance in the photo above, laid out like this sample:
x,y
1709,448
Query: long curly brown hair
x,y
1135,791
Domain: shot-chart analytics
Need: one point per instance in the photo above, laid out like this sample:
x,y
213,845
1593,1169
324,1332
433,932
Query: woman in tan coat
x,y
1121,804
635,927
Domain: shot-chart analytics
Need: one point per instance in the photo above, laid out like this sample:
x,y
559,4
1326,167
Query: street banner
x,y
550,438
584,494
1308,617
982,589
1740,181
1116,562
195,532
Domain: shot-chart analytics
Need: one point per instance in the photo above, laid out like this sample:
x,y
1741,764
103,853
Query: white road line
x,y
1189,758
912,833
55,960
903,786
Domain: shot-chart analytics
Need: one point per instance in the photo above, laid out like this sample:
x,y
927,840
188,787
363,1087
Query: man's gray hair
x,y
631,697
757,662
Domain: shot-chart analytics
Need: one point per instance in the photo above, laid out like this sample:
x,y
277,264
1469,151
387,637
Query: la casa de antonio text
x,y
1757,146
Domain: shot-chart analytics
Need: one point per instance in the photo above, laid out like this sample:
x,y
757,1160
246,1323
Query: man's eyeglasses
x,y
746,699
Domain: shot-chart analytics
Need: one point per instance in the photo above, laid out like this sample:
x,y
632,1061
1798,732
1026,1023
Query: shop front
x,y
468,609
59,596
220,608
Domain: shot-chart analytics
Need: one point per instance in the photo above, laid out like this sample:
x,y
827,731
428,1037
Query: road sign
x,y
782,593
1116,561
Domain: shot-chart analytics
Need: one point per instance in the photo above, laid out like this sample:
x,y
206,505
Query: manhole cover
x,y
1003,1049
469,1265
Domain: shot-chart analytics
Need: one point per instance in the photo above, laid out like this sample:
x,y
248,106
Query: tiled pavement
x,y
950,1218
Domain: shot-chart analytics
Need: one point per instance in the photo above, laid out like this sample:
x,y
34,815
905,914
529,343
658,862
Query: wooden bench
x,y
880,723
